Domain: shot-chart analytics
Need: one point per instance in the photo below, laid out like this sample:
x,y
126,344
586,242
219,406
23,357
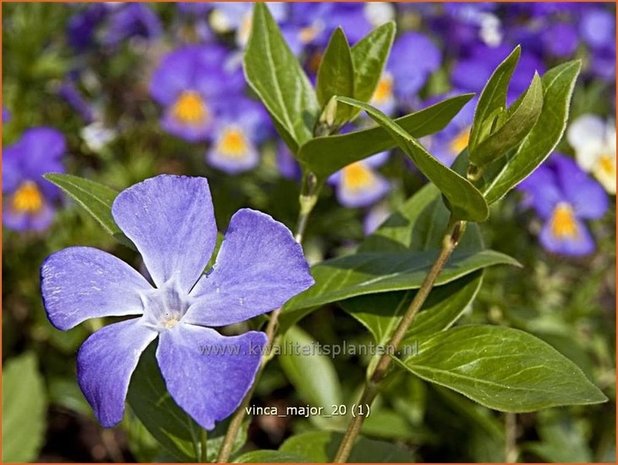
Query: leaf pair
x,y
531,127
352,72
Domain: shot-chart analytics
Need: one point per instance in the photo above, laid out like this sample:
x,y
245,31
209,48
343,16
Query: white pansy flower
x,y
594,142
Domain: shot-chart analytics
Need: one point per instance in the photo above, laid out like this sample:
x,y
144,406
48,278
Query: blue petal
x,y
105,363
208,374
171,221
580,244
79,283
259,267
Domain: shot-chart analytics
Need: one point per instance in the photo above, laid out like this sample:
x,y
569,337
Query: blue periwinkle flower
x,y
170,220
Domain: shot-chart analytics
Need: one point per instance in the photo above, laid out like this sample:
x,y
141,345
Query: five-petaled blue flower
x,y
563,195
170,220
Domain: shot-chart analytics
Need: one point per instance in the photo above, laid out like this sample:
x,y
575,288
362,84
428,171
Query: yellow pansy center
x,y
357,176
384,89
607,164
233,143
190,108
27,198
563,224
308,33
460,141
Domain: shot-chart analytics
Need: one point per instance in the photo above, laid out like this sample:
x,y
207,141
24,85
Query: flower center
x,y
563,224
164,308
190,108
27,198
357,176
309,33
384,89
233,143
460,141
606,164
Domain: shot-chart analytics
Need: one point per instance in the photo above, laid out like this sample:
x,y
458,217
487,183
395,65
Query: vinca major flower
x,y
563,196
28,198
170,220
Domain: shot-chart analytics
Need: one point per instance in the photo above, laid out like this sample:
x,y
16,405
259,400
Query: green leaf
x,y
381,313
312,374
374,272
153,406
493,98
24,408
414,230
558,84
95,198
463,199
276,76
321,446
270,456
521,118
501,368
336,74
369,56
325,155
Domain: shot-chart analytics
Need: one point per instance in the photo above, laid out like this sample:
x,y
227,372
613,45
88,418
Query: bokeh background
x,y
88,89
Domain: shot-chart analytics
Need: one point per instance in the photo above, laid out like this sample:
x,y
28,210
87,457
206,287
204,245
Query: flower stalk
x,y
371,389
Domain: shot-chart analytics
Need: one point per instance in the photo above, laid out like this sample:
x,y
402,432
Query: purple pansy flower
x,y
563,196
132,20
238,131
170,220
412,60
359,184
191,83
82,25
28,198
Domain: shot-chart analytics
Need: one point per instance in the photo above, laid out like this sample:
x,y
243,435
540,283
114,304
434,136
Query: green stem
x,y
371,388
203,446
308,198
510,438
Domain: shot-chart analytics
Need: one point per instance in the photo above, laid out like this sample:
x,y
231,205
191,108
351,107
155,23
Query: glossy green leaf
x,y
374,272
276,76
493,98
520,119
501,368
165,421
24,409
369,56
417,225
464,200
313,375
415,228
95,198
325,155
558,84
381,313
321,446
336,74
270,456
